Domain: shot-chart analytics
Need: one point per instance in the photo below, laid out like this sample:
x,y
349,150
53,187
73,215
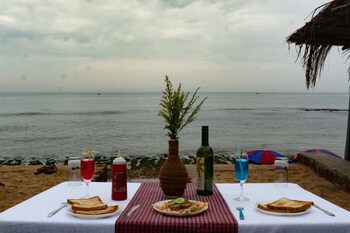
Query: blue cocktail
x,y
241,168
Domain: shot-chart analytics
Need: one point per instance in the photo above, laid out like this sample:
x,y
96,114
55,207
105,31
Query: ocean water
x,y
56,125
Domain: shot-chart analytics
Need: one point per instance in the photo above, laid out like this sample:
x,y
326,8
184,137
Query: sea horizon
x,y
191,91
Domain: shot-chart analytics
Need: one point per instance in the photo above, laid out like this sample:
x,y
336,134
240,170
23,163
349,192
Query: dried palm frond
x,y
329,26
313,61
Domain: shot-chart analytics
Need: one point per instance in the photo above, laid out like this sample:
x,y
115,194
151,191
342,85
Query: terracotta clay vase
x,y
173,175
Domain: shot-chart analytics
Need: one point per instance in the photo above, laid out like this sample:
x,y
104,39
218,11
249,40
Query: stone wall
x,y
334,169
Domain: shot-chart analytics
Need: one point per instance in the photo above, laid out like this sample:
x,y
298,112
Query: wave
x,y
109,112
87,113
238,109
324,110
283,109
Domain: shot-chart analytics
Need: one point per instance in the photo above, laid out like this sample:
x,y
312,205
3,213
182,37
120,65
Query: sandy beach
x,y
18,183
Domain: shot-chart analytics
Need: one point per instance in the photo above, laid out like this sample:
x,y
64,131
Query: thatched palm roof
x,y
331,26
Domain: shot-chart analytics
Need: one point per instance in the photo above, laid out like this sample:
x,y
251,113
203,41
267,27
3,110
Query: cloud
x,y
196,39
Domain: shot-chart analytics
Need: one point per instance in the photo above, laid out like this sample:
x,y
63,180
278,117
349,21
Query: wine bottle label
x,y
200,173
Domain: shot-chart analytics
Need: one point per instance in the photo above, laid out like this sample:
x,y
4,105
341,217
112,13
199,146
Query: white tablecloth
x,y
30,216
313,221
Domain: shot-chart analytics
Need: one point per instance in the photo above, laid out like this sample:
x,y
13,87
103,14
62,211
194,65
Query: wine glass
x,y
87,167
241,168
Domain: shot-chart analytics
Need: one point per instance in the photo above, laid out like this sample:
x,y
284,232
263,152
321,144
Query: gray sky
x,y
118,45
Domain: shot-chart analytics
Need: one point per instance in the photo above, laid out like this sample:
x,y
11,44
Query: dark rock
x,y
16,162
12,162
97,159
2,184
111,159
104,160
47,169
66,161
8,162
50,162
35,162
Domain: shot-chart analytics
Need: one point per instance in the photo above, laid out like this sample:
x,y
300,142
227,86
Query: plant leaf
x,y
176,110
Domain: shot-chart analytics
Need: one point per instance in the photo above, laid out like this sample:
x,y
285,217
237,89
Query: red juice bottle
x,y
119,180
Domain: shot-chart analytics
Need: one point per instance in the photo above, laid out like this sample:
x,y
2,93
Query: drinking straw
x,y
236,141
240,164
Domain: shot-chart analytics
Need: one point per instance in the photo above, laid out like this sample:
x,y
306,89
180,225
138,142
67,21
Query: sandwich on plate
x,y
285,205
91,206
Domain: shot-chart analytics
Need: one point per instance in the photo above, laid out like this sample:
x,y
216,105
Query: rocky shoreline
x,y
139,167
132,160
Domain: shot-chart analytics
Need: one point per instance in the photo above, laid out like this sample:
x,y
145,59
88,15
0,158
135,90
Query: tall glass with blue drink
x,y
241,169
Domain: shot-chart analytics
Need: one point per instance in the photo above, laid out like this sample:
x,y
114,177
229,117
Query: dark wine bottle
x,y
204,165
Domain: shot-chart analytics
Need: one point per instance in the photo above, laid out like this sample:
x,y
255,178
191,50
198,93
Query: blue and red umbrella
x,y
263,156
322,151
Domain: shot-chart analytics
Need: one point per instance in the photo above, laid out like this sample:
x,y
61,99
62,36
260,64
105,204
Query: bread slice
x,y
108,210
87,204
264,207
285,205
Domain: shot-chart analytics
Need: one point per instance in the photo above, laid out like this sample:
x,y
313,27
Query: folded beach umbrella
x,y
322,151
263,156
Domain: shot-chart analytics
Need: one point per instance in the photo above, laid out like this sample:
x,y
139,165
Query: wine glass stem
x,y
87,189
241,183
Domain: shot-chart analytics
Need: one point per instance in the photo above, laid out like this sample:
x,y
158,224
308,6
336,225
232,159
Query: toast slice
x,y
264,207
87,204
285,205
108,210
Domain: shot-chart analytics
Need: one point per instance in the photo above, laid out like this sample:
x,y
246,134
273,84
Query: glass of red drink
x,y
87,167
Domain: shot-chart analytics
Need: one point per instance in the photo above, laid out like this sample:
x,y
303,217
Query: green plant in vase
x,y
178,110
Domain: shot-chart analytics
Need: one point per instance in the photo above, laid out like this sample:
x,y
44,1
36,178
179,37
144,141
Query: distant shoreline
x,y
160,91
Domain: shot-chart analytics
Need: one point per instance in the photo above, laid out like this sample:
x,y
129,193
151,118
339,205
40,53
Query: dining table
x,y
31,215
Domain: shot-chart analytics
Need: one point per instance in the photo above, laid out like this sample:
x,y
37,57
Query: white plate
x,y
278,213
160,203
96,216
